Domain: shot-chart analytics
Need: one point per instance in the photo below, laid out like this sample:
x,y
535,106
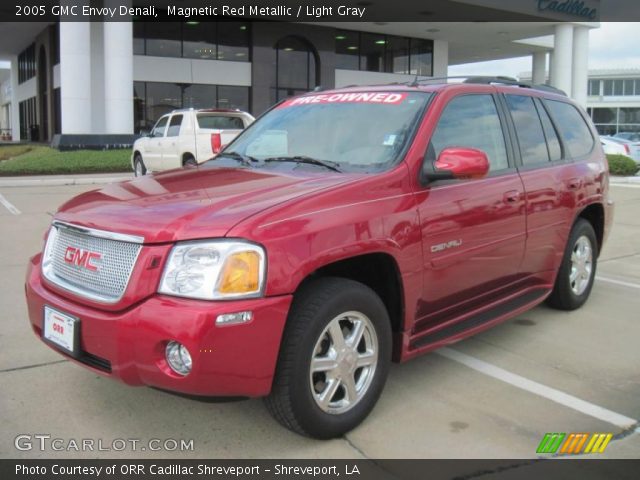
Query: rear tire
x,y
578,269
334,359
189,162
139,169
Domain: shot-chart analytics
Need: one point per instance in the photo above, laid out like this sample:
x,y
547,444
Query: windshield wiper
x,y
309,160
244,159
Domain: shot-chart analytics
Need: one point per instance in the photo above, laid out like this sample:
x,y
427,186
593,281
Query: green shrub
x,y
40,160
621,165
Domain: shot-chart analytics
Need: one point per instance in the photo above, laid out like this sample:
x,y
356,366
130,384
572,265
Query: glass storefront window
x,y
628,87
163,39
199,40
421,60
605,115
138,38
199,96
372,47
594,87
397,55
629,115
151,100
383,53
295,68
233,41
347,50
233,97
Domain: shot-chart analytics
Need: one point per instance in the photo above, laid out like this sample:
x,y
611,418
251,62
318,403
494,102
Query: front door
x,y
473,230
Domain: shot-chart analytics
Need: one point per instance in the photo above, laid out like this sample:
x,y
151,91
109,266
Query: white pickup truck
x,y
186,137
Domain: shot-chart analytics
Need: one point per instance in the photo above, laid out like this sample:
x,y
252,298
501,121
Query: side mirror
x,y
458,163
144,133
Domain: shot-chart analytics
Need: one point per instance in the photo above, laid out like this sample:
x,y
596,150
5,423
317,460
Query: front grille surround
x,y
118,257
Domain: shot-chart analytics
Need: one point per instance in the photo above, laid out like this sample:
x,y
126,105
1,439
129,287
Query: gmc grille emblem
x,y
82,258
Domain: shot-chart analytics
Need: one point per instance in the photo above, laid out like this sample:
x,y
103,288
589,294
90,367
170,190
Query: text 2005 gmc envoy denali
x,y
341,231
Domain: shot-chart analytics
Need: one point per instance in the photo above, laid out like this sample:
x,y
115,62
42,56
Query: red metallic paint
x,y
463,162
512,230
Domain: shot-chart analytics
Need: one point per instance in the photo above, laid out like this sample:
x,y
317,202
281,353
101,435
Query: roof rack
x,y
486,80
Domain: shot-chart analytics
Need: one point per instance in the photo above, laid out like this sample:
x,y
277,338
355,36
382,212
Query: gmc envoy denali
x,y
343,230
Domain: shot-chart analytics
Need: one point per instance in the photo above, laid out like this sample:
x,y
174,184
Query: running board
x,y
495,314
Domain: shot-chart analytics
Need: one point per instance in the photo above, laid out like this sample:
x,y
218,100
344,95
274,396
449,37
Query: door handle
x,y
511,196
574,183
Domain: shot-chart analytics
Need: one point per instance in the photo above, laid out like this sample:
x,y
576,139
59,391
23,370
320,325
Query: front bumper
x,y
129,345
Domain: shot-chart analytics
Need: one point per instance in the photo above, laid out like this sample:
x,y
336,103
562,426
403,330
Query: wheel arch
x,y
377,270
136,152
594,214
186,156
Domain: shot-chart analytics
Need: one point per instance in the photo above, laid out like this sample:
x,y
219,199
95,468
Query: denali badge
x,y
82,258
443,246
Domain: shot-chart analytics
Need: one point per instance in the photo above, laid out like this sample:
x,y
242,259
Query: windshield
x,y
346,132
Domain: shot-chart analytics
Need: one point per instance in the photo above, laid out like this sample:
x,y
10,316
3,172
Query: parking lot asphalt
x,y
492,396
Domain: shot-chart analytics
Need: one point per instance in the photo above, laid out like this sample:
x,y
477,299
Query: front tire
x,y
139,169
334,359
578,269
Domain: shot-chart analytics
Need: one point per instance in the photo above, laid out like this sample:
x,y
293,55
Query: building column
x,y
15,105
75,77
118,77
538,68
440,58
580,71
562,52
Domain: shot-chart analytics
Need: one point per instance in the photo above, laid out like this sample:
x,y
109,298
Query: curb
x,y
56,182
624,180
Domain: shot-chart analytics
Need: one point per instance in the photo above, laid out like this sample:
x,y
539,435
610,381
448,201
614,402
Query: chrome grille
x,y
108,282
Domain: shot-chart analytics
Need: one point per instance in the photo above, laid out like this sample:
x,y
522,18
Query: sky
x,y
613,45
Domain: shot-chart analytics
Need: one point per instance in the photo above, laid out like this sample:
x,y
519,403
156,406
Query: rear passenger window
x,y
174,126
553,142
472,121
533,147
573,129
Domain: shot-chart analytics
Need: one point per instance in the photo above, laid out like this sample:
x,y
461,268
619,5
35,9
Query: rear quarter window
x,y
220,122
572,128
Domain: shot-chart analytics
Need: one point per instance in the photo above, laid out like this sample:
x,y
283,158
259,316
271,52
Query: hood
x,y
190,203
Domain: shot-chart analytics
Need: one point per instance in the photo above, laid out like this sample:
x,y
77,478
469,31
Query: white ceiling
x,y
470,41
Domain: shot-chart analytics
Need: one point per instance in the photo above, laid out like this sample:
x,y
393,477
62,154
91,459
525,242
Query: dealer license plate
x,y
62,330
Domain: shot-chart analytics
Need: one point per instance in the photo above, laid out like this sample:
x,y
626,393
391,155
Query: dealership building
x,y
92,83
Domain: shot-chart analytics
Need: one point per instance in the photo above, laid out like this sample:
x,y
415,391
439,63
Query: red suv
x,y
343,230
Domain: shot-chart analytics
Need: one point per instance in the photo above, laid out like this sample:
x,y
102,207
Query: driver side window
x,y
471,121
158,129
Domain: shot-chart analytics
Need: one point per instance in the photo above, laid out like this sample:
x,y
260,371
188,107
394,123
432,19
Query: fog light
x,y
234,318
178,357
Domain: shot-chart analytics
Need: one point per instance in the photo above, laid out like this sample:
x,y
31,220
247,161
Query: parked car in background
x,y
632,136
345,230
631,147
611,147
186,137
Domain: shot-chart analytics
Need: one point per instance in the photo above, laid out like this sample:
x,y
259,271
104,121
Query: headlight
x,y
214,270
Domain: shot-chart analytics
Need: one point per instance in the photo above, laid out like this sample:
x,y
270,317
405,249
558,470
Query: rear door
x,y
473,230
152,155
553,139
170,143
